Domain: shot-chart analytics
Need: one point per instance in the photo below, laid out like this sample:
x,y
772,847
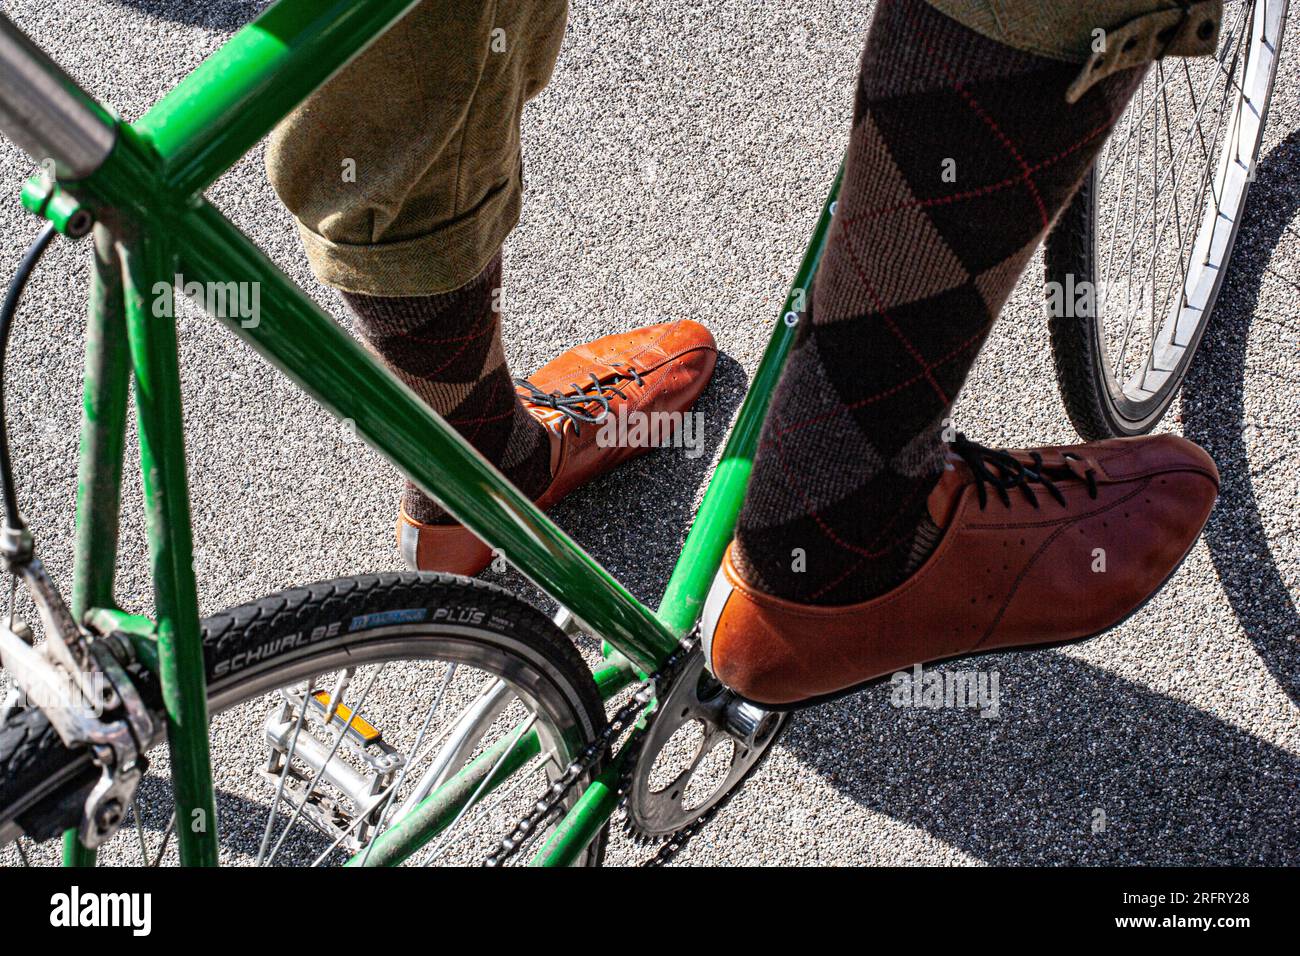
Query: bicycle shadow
x,y
241,818
1214,398
1074,750
1083,766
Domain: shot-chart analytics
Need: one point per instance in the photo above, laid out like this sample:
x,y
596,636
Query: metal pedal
x,y
348,778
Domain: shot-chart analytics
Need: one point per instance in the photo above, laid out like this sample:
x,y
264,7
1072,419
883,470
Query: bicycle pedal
x,y
328,814
335,763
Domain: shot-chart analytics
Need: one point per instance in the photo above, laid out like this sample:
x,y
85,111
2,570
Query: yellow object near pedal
x,y
359,727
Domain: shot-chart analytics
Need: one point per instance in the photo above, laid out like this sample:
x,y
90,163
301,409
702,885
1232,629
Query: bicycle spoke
x,y
401,775
1134,117
1155,204
1207,174
502,793
167,836
474,721
469,804
1114,222
1178,221
1165,203
1169,145
139,828
311,787
284,777
1196,120
1184,154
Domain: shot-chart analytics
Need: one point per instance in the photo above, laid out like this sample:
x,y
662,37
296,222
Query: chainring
x,y
656,810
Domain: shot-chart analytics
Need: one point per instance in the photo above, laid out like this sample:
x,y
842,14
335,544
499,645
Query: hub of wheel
x,y
680,773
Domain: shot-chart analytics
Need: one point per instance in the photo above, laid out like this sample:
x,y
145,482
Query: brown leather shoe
x,y
659,368
1041,547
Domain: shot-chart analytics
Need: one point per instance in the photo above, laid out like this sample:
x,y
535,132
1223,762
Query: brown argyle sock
x,y
447,348
962,152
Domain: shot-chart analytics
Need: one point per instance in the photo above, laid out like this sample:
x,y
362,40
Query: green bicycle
x,y
372,720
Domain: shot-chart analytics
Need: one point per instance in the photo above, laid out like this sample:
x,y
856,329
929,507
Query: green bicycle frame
x,y
152,223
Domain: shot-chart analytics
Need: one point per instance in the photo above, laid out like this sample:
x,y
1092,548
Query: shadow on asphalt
x,y
1175,785
1214,398
226,16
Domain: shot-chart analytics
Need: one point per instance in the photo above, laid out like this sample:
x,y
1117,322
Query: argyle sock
x,y
962,152
447,348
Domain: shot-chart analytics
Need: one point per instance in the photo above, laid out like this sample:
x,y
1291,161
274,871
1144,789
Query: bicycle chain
x,y
551,801
676,842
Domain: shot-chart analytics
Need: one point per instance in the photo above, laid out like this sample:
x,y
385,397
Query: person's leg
x,y
867,542
447,348
404,172
962,152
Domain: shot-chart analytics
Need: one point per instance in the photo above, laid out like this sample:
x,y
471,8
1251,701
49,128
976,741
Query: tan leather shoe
x,y
1041,547
656,369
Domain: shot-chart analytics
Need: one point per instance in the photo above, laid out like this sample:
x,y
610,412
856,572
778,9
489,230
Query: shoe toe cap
x,y
1108,564
685,334
1157,454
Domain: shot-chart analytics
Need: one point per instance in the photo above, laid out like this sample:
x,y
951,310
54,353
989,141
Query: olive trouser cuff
x,y
1076,30
404,169
440,260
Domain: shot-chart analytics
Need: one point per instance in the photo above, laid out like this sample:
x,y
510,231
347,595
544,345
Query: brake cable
x,y
13,519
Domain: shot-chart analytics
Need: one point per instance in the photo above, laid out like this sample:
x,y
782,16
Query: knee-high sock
x,y
962,152
447,348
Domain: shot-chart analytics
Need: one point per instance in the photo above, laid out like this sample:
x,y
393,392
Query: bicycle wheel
x,y
1134,265
449,691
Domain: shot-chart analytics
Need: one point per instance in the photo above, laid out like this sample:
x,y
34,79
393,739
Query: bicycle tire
x,y
43,784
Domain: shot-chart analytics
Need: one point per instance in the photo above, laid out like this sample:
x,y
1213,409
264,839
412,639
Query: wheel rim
x,y
1169,190
443,701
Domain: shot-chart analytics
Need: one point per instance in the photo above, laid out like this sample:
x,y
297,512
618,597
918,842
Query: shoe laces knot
x,y
588,402
1003,471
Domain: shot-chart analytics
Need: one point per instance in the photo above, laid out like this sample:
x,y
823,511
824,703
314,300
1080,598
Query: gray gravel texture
x,y
675,166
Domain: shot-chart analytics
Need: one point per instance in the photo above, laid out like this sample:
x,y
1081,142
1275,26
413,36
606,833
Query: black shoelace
x,y
598,394
1011,472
